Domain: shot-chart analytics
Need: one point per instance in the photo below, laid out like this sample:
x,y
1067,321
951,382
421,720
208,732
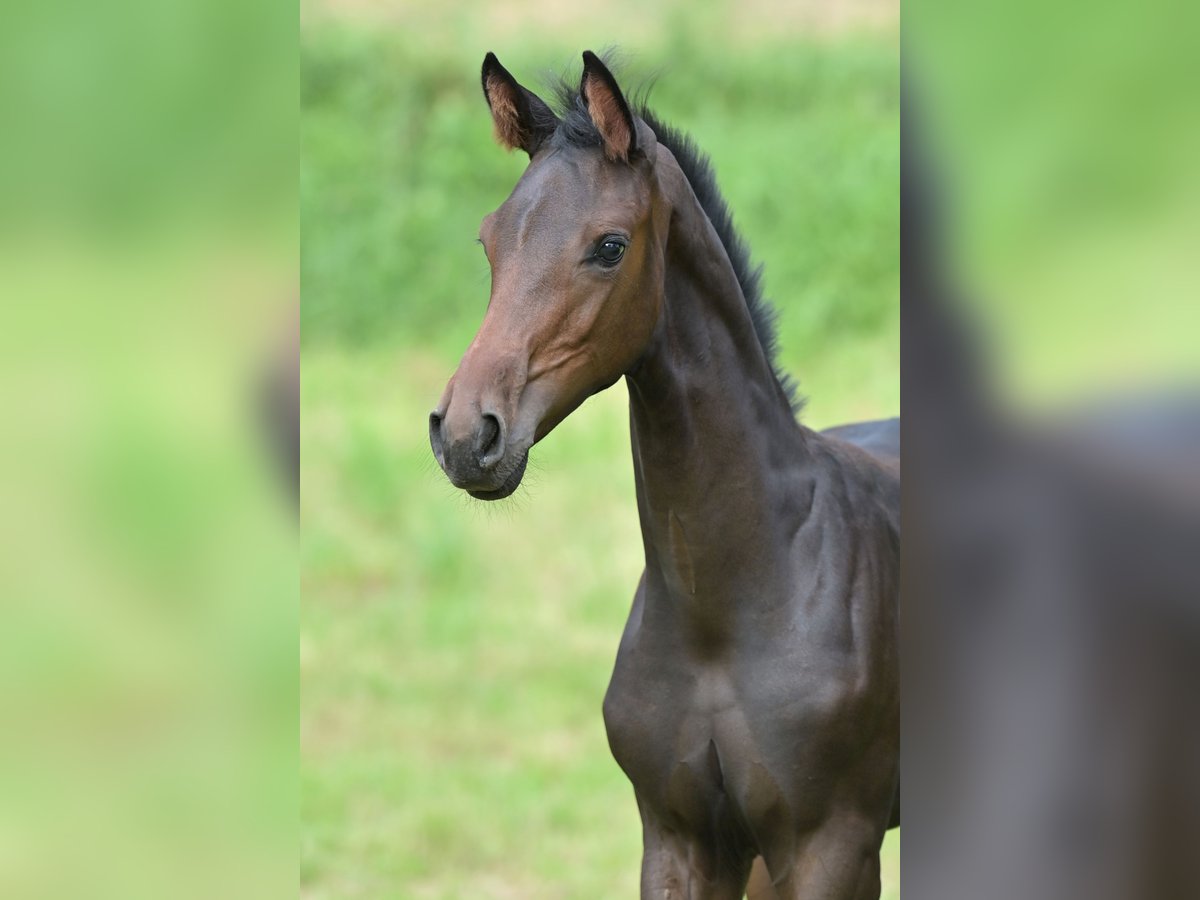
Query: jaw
x,y
541,415
532,409
510,484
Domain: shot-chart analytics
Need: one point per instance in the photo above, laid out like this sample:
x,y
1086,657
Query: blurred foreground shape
x,y
1052,627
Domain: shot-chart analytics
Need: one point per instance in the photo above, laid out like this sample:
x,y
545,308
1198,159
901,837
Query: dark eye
x,y
610,251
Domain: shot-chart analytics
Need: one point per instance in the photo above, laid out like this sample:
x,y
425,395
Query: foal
x,y
755,700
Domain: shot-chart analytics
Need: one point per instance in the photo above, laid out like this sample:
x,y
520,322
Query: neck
x,y
713,433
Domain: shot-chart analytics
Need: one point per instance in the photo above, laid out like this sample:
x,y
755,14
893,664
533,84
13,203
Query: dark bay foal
x,y
755,701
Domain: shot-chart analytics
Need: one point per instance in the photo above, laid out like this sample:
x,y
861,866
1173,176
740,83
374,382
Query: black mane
x,y
576,129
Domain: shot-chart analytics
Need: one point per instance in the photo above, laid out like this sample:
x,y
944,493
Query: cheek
x,y
600,328
638,299
629,324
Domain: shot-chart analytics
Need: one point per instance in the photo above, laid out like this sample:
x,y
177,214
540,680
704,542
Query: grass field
x,y
454,655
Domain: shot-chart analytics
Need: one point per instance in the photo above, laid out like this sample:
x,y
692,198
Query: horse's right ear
x,y
521,118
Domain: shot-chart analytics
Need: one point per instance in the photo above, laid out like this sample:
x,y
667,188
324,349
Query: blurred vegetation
x,y
148,683
1069,187
454,655
400,166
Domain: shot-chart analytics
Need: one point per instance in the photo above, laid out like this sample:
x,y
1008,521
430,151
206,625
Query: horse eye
x,y
610,252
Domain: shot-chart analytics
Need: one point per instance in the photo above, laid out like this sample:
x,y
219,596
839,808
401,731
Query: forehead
x,y
572,188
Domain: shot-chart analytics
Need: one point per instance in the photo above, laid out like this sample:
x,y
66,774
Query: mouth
x,y
511,483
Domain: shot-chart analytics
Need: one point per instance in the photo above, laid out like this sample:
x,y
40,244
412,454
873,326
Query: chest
x,y
740,736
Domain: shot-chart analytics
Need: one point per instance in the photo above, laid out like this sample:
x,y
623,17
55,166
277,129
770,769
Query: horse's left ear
x,y
608,109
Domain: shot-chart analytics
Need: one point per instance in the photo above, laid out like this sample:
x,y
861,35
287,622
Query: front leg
x,y
837,861
759,886
679,867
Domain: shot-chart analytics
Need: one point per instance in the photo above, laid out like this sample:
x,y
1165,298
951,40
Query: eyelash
x,y
607,239
616,239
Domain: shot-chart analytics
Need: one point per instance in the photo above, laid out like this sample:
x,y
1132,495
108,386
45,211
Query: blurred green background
x,y
454,655
148,677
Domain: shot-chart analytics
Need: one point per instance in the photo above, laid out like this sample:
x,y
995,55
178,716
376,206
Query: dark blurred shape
x,y
1051,637
280,405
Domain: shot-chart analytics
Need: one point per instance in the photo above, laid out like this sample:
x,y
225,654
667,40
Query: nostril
x,y
491,440
435,434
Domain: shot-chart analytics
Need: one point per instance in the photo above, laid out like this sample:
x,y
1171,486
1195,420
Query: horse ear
x,y
608,109
521,118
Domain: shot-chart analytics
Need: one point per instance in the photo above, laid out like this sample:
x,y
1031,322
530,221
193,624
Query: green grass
x,y
454,655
